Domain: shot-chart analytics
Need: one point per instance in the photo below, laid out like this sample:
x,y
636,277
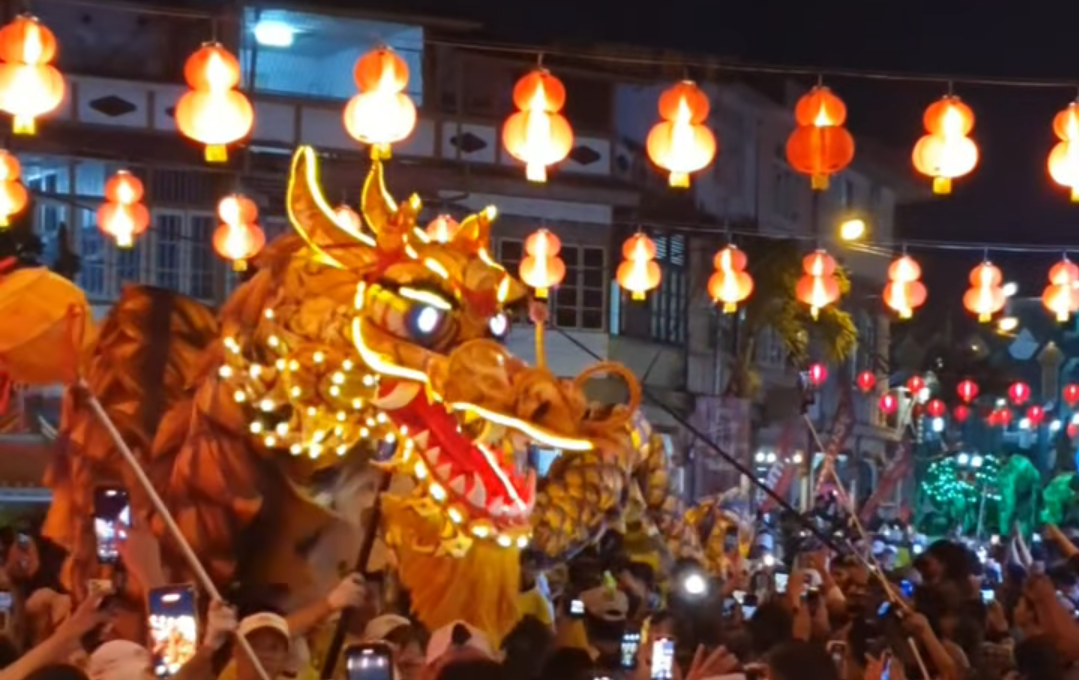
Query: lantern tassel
x,y
984,318
124,241
381,152
819,182
942,185
541,293
24,125
1075,194
239,265
905,313
729,308
638,295
4,221
216,153
679,180
536,172
1062,316
814,312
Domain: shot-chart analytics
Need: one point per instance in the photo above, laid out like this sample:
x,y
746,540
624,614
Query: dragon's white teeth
x,y
458,485
444,471
477,495
432,455
420,440
400,396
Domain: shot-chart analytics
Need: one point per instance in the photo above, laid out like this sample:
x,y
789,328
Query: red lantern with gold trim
x,y
1070,394
946,152
381,114
915,384
213,112
819,287
1019,393
541,268
904,292
1061,296
961,412
1064,158
30,87
681,143
538,135
1035,414
936,408
866,381
122,215
730,284
239,238
967,390
985,297
817,374
820,146
639,272
889,403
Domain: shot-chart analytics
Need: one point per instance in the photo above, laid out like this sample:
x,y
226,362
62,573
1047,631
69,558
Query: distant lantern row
x,y
215,114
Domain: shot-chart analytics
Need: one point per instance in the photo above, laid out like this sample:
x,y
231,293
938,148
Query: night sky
x,y
1009,198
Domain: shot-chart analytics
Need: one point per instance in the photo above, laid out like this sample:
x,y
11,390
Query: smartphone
x,y
838,650
576,608
112,519
173,624
369,661
781,582
631,645
663,659
988,595
749,607
886,665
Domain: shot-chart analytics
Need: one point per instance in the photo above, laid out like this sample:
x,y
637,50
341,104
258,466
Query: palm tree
x,y
776,267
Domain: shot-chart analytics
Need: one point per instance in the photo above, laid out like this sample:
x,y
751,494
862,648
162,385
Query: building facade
x,y
124,70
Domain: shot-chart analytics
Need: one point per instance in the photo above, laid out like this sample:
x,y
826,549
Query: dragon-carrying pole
x,y
163,511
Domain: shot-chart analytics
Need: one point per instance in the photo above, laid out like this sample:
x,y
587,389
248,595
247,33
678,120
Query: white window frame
x,y
578,250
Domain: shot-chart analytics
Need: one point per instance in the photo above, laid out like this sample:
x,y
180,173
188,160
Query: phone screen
x,y
173,628
907,588
576,608
369,662
781,583
838,650
631,644
112,517
988,595
663,659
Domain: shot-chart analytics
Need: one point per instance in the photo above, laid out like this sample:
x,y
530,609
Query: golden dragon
x,y
361,343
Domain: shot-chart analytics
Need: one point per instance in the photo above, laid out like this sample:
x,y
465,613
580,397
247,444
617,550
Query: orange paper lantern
x,y
730,284
29,86
538,134
443,228
639,272
681,143
820,146
1064,158
985,297
381,114
1061,296
905,292
818,288
13,196
946,152
213,112
542,268
123,216
238,238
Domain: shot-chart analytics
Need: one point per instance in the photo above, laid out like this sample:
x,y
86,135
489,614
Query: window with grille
x,y
581,299
663,315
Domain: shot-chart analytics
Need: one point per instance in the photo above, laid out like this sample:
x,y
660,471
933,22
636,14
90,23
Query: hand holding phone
x,y
576,608
112,519
369,661
663,659
173,625
630,647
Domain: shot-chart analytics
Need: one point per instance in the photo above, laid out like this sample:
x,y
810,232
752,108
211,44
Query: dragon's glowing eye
x,y
499,324
427,319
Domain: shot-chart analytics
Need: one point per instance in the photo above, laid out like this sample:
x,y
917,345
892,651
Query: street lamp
x,y
852,229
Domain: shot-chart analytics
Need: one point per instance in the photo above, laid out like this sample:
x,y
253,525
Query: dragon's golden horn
x,y
335,243
376,203
475,230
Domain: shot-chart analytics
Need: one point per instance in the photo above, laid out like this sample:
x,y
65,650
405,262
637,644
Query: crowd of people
x,y
1002,610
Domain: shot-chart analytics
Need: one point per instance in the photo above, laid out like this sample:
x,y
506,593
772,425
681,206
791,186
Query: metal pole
x,y
163,511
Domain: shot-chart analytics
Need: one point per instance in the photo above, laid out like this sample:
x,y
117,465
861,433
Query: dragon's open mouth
x,y
471,478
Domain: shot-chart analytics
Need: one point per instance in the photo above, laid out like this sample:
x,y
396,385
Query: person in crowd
x,y
460,644
525,647
405,639
534,597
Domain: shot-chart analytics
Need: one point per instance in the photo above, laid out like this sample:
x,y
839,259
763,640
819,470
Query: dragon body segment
x,y
358,345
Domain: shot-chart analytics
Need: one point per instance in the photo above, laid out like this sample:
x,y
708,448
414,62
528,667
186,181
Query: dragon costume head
x,y
390,346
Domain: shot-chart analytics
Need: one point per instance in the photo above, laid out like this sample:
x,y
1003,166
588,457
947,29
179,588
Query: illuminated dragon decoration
x,y
359,343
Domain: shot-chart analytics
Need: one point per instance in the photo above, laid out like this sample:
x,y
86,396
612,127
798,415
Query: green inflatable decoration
x,y
1059,499
1018,483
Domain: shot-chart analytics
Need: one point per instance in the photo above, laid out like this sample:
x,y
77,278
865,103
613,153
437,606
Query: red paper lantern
x,y
1064,158
818,374
1004,417
820,146
1035,414
1071,394
639,272
1018,393
542,269
888,403
967,390
538,135
1072,430
1060,296
946,152
213,111
936,408
238,238
866,381
681,143
961,413
29,85
730,284
381,114
819,287
123,215
916,384
985,297
904,292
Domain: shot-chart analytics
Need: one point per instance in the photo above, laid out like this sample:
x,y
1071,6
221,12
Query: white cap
x,y
603,602
264,621
381,626
441,642
119,660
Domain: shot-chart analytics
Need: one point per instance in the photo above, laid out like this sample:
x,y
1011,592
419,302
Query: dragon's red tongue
x,y
407,405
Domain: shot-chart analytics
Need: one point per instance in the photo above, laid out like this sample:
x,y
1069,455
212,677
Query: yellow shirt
x,y
533,603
